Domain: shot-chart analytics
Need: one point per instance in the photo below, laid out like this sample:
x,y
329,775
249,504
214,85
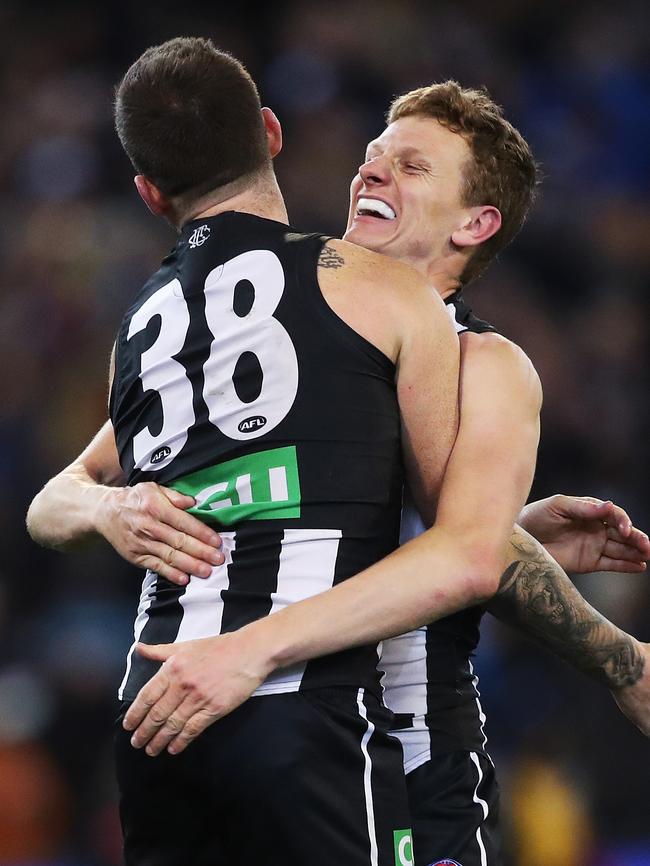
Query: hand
x,y
199,682
585,534
147,524
634,700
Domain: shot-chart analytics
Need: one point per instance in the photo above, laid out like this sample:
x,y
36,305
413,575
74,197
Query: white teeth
x,y
375,206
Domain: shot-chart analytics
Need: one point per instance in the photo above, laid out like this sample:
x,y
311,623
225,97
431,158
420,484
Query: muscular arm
x,y
146,523
487,479
537,597
66,510
455,563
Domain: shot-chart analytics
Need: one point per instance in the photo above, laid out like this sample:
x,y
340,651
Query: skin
x,y
195,685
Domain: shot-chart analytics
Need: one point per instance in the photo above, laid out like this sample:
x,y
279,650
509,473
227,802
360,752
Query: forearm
x,y
430,577
538,597
64,513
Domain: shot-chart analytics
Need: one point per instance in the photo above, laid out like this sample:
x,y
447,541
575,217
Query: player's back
x,y
237,383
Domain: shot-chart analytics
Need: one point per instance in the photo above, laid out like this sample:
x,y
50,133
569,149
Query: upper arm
x,y
427,390
492,464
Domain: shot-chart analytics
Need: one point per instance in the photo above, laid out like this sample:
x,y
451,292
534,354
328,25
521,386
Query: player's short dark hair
x,y
502,171
189,117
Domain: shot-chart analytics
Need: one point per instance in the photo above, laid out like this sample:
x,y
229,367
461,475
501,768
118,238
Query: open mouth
x,y
373,207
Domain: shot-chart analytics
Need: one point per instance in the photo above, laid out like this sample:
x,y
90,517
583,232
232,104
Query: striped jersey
x,y
428,680
236,383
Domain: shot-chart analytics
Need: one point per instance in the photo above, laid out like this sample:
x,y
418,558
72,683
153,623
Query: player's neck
x,y
442,280
262,199
442,272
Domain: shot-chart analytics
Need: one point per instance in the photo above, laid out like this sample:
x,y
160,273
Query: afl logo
x,y
160,454
445,863
248,425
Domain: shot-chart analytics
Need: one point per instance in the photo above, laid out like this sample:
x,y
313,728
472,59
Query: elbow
x,y
485,566
37,524
32,522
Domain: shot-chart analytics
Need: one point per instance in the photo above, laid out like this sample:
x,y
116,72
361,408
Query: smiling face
x,y
405,201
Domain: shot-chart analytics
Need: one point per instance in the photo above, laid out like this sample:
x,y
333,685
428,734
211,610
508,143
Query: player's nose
x,y
374,171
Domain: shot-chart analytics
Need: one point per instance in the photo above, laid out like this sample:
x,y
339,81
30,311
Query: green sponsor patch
x,y
260,486
403,841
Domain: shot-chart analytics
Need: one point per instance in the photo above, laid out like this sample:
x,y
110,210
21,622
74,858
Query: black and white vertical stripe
x,y
263,572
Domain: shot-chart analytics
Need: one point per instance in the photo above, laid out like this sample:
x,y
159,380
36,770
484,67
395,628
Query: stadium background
x,y
76,243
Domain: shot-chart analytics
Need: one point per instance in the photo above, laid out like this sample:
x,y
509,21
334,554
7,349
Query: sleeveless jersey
x,y
236,383
428,680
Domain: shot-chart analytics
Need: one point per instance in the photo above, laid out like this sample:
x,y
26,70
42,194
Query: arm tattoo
x,y
535,594
329,258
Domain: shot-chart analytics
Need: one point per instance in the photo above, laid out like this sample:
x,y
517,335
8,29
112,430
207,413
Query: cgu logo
x,y
255,422
160,454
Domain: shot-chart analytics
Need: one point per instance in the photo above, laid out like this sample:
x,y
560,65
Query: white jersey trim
x,y
146,597
451,310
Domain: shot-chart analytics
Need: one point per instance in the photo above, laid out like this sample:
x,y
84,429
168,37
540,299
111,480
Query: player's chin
x,y
366,236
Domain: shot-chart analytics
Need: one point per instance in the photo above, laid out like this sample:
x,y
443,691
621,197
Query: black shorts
x,y
300,778
454,802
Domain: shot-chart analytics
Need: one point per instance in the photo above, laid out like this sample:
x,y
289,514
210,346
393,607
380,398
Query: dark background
x,y
76,243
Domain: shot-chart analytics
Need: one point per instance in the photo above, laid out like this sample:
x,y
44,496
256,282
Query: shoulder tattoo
x,y
329,258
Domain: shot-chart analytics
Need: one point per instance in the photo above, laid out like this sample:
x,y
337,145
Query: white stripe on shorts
x,y
367,781
483,805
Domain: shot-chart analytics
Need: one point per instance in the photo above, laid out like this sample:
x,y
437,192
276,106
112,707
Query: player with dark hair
x,y
226,367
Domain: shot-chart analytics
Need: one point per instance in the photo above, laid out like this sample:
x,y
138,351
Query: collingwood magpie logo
x,y
199,236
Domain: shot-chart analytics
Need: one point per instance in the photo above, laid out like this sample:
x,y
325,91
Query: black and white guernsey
x,y
236,382
429,682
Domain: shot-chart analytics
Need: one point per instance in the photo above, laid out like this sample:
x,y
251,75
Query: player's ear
x,y
273,132
481,223
155,200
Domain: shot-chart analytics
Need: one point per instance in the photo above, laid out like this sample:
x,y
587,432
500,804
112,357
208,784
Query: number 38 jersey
x,y
237,384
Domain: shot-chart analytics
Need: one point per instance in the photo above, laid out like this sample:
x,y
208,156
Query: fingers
x,y
640,541
614,515
146,698
173,726
622,566
156,652
178,517
178,499
590,508
579,507
191,730
163,722
172,564
169,711
637,542
154,533
619,550
182,551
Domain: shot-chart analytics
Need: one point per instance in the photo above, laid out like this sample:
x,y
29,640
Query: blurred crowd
x,y
76,243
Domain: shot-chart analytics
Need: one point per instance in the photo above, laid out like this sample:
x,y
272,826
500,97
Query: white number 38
x,y
235,329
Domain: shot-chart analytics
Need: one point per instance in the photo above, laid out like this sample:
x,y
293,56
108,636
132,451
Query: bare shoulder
x,y
382,299
491,356
338,254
